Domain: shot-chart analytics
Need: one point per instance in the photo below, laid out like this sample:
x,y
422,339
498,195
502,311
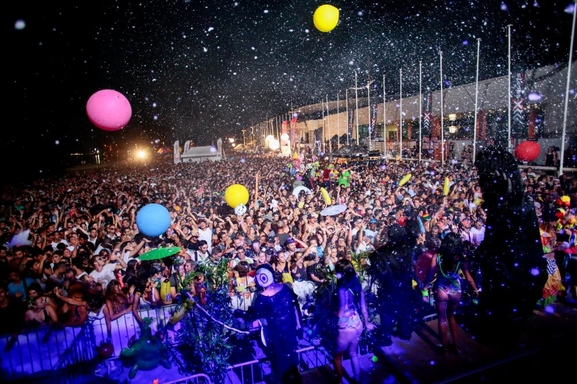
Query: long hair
x,y
348,276
111,295
451,251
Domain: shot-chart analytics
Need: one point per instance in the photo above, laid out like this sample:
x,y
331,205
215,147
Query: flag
x,y
409,130
293,131
427,117
518,109
373,124
350,123
176,151
482,125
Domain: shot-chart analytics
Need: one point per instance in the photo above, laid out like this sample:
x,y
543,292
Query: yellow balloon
x,y
236,194
326,196
446,186
404,180
326,17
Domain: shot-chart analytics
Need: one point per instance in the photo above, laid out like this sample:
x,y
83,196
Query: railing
x,y
56,352
199,378
49,349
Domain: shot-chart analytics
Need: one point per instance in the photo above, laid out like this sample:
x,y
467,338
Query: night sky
x,y
206,69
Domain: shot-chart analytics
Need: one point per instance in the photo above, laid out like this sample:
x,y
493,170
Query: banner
x,y
427,116
409,130
176,151
373,124
518,109
186,145
436,127
293,131
482,125
284,127
350,122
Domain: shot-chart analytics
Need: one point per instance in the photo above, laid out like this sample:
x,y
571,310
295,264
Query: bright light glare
x,y
141,154
273,144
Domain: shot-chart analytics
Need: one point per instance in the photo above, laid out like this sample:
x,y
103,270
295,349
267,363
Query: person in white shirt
x,y
478,232
103,272
202,253
205,232
57,239
240,255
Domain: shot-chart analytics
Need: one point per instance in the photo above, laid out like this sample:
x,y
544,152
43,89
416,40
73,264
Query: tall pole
x,y
509,92
384,118
329,128
567,89
477,105
401,113
357,107
442,112
347,105
369,110
420,108
338,121
323,146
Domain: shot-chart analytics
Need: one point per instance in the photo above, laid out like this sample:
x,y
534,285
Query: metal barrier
x,y
199,378
255,371
49,349
68,353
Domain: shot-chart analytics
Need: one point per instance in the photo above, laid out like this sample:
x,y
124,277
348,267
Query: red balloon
x,y
105,350
528,151
109,110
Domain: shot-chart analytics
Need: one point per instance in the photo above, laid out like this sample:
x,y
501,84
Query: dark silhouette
x,y
510,258
392,270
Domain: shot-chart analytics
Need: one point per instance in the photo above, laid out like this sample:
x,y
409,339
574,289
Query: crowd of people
x,y
71,246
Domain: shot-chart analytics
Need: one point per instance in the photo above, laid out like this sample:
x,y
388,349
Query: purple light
x,y
534,96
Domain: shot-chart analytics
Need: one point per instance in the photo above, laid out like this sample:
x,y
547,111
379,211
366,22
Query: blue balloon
x,y
153,220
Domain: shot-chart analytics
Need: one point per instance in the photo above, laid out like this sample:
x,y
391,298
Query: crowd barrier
x,y
50,352
48,349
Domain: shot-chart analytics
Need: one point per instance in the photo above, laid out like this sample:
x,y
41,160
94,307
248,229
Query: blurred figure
x,y
445,267
276,310
351,300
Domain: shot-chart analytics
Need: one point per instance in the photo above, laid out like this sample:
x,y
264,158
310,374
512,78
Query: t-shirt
x,y
206,235
13,289
105,276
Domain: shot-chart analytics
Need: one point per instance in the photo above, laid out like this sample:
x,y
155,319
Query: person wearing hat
x,y
275,307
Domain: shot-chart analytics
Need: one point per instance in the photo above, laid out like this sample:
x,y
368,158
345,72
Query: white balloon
x,y
240,209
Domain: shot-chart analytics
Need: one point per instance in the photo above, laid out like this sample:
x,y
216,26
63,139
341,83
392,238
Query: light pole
x,y
347,105
357,107
369,106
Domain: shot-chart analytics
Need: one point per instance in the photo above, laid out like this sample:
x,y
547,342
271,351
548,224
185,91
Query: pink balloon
x,y
109,110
